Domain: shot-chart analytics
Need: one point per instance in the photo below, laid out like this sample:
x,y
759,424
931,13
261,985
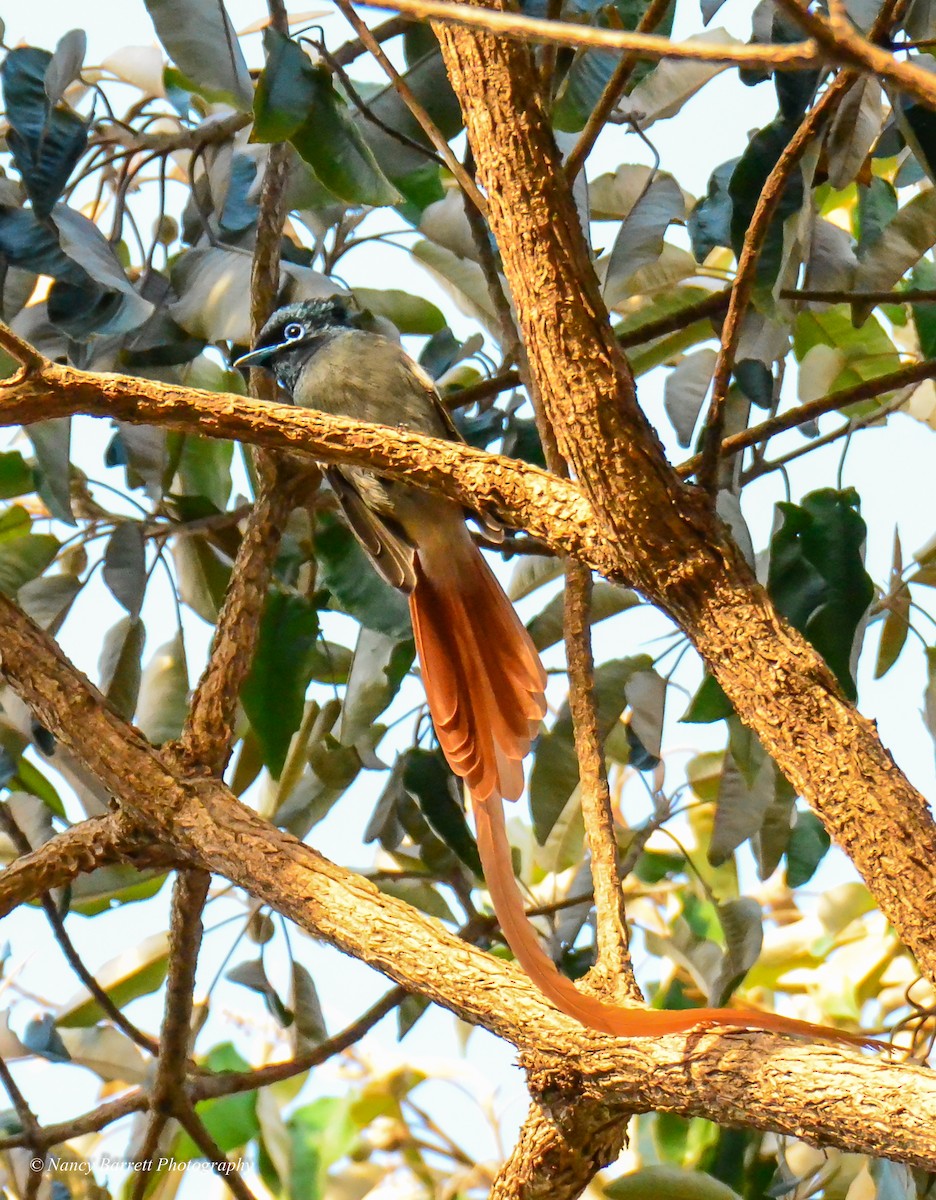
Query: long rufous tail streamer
x,y
485,687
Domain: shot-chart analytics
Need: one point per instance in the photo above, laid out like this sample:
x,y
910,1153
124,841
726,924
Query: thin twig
x,y
354,47
224,1169
905,377
107,1005
614,966
767,203
612,93
886,296
426,123
795,56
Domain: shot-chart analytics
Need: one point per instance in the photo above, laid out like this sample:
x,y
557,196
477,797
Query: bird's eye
x,y
293,331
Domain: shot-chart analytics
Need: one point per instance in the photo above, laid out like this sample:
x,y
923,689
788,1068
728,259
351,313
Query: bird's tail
x,y
483,678
485,688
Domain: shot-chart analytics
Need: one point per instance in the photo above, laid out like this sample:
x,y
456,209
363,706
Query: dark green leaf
x,y
742,923
708,704
273,695
817,577
806,848
355,586
795,89
309,1022
285,92
335,149
877,207
46,141
205,469
428,778
924,315
42,1038
23,558
410,314
755,380
747,181
231,1120
918,125
16,477
125,566
200,39
555,773
710,221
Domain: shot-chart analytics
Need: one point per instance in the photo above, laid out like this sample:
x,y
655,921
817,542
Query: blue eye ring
x,y
293,331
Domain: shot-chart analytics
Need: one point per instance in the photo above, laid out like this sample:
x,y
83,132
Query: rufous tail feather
x,y
485,688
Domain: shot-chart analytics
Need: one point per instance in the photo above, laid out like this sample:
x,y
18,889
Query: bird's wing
x,y
381,538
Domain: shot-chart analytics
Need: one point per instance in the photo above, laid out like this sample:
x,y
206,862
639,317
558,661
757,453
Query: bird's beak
x,y
256,358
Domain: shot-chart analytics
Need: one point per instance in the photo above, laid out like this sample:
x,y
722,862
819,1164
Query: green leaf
x,y
321,1132
100,890
205,468
203,575
46,141
410,314
355,586
429,780
125,566
421,893
200,39
273,694
309,1022
877,206
868,351
284,91
163,702
119,665
747,181
924,315
24,558
333,146
138,971
51,441
807,847
708,704
902,243
607,601
817,578
16,476
742,924
894,631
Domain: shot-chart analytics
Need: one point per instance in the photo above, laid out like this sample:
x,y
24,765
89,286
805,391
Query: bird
x,y
484,681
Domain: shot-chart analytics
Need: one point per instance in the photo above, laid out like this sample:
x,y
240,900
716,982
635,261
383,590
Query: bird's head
x,y
295,332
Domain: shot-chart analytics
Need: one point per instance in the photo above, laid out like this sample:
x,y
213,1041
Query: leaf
x,y
321,1133
200,39
747,180
355,586
639,240
903,241
854,130
818,372
102,890
253,975
462,279
685,390
16,476
664,92
85,245
868,351
709,222
741,807
204,465
546,628
817,579
284,92
894,631
139,971
51,441
555,775
924,315
23,558
47,599
125,566
309,1021
429,780
410,314
119,665
741,922
230,1120
708,704
806,849
110,1054
46,141
203,575
42,1038
379,665
273,694
530,573
65,64
163,701
335,149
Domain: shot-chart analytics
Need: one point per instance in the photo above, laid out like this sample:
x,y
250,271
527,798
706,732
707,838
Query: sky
x,y
713,128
